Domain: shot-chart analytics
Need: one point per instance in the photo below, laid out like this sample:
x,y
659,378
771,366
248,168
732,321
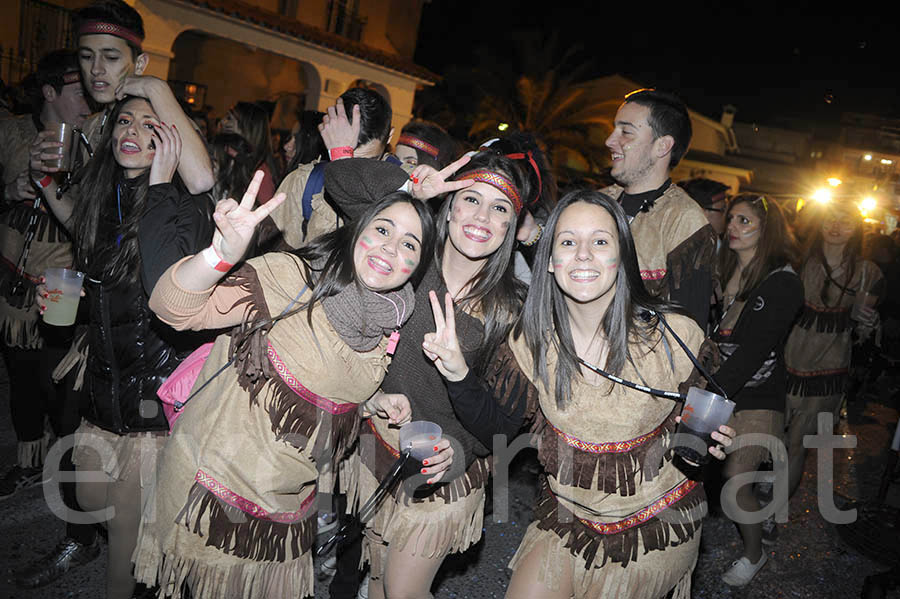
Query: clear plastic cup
x,y
64,292
63,133
420,438
703,413
863,300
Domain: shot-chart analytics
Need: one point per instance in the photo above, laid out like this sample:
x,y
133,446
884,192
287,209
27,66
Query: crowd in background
x,y
311,290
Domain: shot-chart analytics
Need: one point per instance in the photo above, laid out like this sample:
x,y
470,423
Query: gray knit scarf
x,y
362,317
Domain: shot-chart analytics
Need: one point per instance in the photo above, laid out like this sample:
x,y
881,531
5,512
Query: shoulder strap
x,y
314,184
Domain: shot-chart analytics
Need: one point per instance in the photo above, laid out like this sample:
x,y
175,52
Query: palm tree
x,y
545,96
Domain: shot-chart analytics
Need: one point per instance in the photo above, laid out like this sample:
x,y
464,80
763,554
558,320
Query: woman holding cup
x,y
616,516
762,297
129,219
841,291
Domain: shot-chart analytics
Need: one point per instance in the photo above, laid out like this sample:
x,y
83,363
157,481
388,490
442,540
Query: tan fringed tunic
x,y
233,511
817,354
612,504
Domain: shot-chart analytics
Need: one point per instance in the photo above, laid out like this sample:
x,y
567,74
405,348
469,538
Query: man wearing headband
x,y
675,244
109,35
422,142
32,350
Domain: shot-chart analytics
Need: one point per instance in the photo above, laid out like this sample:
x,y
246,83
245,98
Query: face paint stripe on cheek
x,y
365,243
409,266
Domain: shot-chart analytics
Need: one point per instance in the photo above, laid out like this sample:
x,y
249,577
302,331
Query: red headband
x,y
414,142
103,28
537,171
71,77
497,181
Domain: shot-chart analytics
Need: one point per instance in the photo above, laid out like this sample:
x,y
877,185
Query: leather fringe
x,y
510,387
615,472
694,253
825,320
298,422
248,343
47,228
237,533
817,385
621,548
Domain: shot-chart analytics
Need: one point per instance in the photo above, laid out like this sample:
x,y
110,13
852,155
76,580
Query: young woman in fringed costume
x,y
762,299
616,517
412,533
233,511
129,222
818,350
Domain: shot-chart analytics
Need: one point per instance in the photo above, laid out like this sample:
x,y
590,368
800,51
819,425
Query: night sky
x,y
769,63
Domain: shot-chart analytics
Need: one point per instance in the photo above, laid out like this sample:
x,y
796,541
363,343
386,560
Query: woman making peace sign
x,y
616,517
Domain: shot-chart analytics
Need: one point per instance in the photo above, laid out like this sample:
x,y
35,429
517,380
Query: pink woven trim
x,y
247,506
611,447
414,142
651,511
653,275
102,28
323,403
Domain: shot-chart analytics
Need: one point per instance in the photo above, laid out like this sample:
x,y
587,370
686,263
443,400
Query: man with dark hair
x,y
675,244
710,196
109,37
366,133
30,348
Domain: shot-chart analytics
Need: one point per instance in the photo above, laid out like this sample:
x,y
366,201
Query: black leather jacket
x,y
131,352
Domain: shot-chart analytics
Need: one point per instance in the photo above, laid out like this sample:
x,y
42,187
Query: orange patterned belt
x,y
651,511
612,446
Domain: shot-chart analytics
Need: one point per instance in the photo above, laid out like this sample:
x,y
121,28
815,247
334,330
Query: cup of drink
x,y
703,413
864,302
420,438
63,133
64,291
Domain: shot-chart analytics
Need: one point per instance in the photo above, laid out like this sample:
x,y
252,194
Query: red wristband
x,y
214,260
43,183
341,152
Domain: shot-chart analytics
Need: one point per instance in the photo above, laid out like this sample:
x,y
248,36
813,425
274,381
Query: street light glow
x,y
834,181
886,161
868,204
867,157
503,126
823,196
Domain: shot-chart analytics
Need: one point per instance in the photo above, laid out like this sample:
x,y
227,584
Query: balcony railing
x,y
344,19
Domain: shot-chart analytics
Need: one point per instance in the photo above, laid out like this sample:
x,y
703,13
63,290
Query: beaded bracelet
x,y
537,237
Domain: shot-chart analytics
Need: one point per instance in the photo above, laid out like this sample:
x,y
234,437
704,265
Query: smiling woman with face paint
x,y
763,296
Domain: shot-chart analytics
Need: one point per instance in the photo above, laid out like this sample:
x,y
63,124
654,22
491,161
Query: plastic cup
x,y
420,438
63,133
64,292
703,413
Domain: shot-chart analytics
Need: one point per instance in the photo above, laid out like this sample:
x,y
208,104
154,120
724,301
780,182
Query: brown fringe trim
x,y
620,548
694,253
509,385
616,472
380,461
47,229
295,420
249,345
825,320
817,385
710,358
239,534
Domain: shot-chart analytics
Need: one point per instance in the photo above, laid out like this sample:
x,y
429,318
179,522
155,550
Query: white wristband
x,y
214,260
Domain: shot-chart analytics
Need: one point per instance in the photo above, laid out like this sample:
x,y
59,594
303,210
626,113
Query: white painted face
x,y
479,219
743,227
389,249
584,258
632,144
132,137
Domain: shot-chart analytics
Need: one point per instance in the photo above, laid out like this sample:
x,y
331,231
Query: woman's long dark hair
x,y
308,143
253,122
495,290
103,189
545,316
853,251
776,247
235,166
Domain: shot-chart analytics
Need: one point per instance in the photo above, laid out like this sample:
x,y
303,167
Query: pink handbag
x,y
174,392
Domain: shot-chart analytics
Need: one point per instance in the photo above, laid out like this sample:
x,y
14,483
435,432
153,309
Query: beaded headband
x,y
414,142
103,28
497,181
71,77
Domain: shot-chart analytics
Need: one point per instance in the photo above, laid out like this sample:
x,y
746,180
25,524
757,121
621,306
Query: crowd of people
x,y
261,316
